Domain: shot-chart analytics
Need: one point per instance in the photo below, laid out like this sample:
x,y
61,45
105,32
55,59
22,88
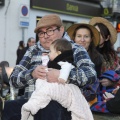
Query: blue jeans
x,y
54,111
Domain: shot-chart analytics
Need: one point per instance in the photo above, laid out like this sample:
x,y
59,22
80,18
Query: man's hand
x,y
52,75
108,96
39,72
105,82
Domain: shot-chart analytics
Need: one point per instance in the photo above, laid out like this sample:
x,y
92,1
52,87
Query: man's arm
x,y
84,72
21,75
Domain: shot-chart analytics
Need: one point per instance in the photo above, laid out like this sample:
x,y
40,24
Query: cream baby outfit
x,y
68,95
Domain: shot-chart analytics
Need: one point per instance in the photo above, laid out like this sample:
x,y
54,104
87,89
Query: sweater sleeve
x,y
84,72
21,75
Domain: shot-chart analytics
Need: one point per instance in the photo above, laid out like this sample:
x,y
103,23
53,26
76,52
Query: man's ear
x,y
59,52
62,29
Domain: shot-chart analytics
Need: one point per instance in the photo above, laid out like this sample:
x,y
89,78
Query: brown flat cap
x,y
48,20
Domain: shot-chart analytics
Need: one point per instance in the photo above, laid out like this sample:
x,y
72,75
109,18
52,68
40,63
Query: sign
x,y
24,16
24,11
106,12
71,7
24,24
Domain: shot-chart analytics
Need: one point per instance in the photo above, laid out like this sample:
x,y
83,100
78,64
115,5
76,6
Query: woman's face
x,y
101,43
83,37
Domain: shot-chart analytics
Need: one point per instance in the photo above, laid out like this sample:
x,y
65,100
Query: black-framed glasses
x,y
49,32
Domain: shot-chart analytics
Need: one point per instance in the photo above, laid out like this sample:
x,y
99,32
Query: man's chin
x,y
47,47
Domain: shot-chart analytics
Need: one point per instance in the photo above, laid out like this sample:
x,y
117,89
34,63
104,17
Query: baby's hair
x,y
61,45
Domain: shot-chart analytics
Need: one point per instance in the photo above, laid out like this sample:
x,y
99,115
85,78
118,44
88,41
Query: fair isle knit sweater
x,y
83,74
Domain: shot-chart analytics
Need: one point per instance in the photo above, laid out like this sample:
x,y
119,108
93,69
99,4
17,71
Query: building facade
x,y
18,20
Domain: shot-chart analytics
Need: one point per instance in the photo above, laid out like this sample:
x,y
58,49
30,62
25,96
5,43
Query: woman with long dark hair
x,y
110,78
19,51
88,36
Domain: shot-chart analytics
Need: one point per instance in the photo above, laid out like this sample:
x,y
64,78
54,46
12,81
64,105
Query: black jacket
x,y
65,56
113,105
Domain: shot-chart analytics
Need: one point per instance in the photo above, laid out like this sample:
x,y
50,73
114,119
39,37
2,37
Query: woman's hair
x,y
95,56
21,44
107,50
61,45
4,64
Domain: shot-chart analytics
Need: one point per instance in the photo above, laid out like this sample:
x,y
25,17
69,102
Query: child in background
x,y
105,88
68,95
113,105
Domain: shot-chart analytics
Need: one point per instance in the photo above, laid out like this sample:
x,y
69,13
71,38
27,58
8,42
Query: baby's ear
x,y
59,52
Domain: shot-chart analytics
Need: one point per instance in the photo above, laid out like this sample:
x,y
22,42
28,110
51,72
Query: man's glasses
x,y
49,32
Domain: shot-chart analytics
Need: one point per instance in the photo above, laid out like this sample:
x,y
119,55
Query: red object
x,y
118,27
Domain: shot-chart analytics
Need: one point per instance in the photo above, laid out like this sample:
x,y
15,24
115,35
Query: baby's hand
x,y
61,81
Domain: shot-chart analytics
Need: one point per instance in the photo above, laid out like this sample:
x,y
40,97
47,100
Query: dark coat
x,y
113,105
66,56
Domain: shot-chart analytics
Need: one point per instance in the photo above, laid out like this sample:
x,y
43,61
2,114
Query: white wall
x,y
11,32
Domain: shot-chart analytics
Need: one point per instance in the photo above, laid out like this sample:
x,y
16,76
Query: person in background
x,y
108,36
119,59
118,53
30,42
113,105
5,63
19,51
49,28
118,50
88,36
4,83
68,95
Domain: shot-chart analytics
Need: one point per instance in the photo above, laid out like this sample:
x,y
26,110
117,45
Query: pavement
x,y
106,116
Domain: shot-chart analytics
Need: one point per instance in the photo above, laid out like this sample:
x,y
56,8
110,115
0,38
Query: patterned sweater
x,y
81,75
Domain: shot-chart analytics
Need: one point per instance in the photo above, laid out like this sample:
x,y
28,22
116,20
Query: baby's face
x,y
53,53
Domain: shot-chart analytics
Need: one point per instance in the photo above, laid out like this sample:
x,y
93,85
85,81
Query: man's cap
x,y
48,20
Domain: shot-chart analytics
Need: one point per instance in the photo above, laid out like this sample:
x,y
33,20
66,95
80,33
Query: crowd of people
x,y
66,72
20,53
